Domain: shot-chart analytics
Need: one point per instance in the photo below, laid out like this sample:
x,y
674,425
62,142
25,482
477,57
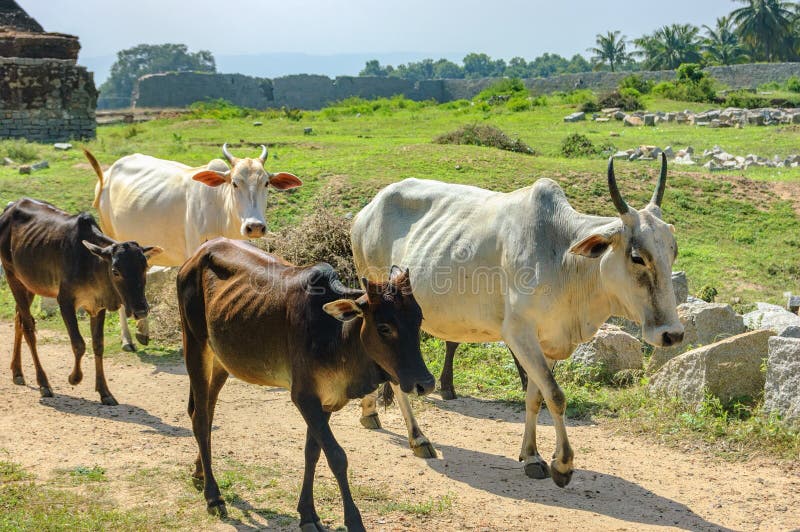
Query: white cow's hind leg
x,y
526,346
143,331
127,341
419,443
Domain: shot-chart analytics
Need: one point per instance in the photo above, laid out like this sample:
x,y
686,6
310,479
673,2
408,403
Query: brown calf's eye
x,y
384,329
115,272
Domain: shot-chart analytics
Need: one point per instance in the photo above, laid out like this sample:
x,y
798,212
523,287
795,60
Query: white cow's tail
x,y
99,171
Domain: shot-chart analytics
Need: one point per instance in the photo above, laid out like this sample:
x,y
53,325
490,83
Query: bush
x,y
484,135
518,104
292,114
19,150
577,145
793,84
627,99
707,294
691,85
219,109
637,82
745,99
502,91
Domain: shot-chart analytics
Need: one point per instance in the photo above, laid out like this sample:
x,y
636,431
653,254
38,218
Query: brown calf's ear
x,y
101,252
152,251
212,178
592,246
343,309
284,180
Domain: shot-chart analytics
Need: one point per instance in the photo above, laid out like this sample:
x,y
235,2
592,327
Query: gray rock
x,y
782,386
258,124
612,348
41,165
632,121
680,285
728,369
308,130
64,146
774,317
620,115
793,303
25,169
792,331
575,117
649,119
704,323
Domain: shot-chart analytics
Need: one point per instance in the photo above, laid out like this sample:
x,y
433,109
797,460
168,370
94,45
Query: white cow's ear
x,y
592,246
284,180
343,309
212,178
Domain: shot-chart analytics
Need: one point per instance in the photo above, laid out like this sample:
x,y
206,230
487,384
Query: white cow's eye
x,y
235,185
637,260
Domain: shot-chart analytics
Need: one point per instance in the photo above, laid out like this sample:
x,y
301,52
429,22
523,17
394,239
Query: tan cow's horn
x,y
616,197
231,159
658,195
263,156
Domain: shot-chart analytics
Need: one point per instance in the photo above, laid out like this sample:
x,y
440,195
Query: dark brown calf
x,y
267,322
45,251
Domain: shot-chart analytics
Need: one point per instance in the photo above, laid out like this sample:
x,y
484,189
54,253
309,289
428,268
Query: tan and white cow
x,y
146,199
526,268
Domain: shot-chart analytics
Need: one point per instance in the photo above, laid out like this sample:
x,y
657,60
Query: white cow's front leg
x,y
127,341
535,466
526,346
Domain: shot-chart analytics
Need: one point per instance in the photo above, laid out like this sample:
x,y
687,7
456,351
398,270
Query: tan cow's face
x,y
636,258
246,185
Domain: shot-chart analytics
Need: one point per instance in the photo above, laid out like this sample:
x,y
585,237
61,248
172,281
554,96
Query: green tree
x,y
722,46
143,59
547,65
767,26
610,49
670,46
373,68
578,64
482,66
518,67
444,69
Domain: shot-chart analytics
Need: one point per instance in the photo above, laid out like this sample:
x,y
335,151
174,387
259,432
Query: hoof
x,y
130,348
536,468
313,527
561,479
73,380
424,450
448,395
45,391
144,340
371,422
109,400
19,380
217,509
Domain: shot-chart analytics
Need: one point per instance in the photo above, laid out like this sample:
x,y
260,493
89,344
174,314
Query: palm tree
x,y
722,45
670,46
766,25
610,49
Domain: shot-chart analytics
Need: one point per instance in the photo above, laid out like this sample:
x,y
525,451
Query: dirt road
x,y
146,447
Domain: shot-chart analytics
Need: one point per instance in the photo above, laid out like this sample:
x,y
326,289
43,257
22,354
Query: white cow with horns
x,y
146,199
525,268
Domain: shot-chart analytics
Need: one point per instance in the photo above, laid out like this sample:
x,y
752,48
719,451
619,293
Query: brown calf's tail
x,y
97,170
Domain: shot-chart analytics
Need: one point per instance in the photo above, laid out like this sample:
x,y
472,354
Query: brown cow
x,y
267,322
47,252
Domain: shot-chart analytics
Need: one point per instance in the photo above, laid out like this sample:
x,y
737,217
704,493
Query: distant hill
x,y
274,65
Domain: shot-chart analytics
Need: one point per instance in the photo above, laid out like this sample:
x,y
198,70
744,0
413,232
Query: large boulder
x,y
728,369
767,316
162,295
782,387
612,348
680,286
704,323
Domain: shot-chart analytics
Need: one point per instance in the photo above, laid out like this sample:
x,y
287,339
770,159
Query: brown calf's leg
x,y
369,411
219,375
317,422
66,305
448,390
98,346
419,443
309,519
16,356
27,324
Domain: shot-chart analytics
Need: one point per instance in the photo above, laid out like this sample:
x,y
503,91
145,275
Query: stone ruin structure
x,y
44,95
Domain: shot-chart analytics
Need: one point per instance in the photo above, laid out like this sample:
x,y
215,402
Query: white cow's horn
x,y
616,197
263,156
658,195
231,159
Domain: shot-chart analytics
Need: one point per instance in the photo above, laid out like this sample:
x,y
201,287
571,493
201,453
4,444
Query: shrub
x,y
292,114
627,99
793,84
577,145
484,135
637,82
502,91
745,99
707,293
20,150
518,104
322,236
692,85
590,107
219,109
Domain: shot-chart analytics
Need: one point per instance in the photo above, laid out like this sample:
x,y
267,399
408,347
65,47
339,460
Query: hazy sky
x,y
500,28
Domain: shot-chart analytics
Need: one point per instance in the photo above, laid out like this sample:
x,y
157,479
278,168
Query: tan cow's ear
x,y
343,309
212,178
152,251
284,180
592,246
